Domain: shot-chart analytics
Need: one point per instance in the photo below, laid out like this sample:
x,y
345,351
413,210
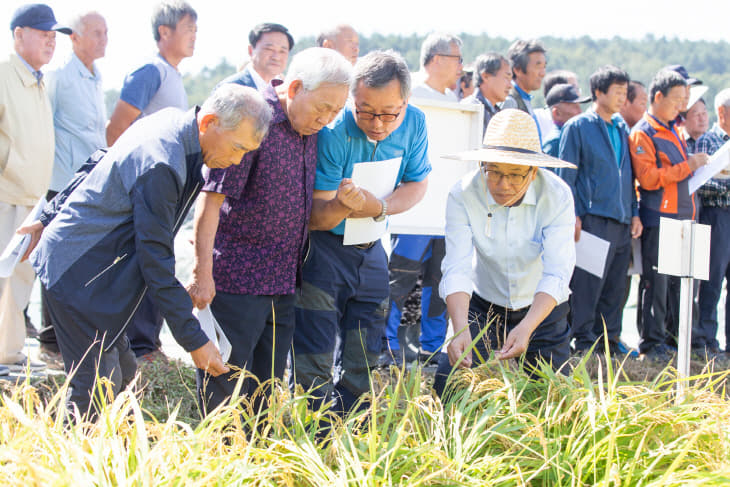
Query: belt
x,y
497,308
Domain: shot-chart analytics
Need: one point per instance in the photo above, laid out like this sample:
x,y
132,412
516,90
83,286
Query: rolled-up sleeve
x,y
558,250
456,267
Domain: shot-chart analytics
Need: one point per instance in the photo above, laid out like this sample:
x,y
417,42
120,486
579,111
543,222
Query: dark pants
x,y
550,341
47,335
82,348
144,329
414,256
260,329
705,330
656,299
598,300
340,312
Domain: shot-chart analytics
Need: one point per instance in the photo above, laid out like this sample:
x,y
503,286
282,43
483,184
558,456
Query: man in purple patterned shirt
x,y
248,270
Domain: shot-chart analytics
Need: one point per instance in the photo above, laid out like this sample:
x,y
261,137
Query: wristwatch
x,y
383,212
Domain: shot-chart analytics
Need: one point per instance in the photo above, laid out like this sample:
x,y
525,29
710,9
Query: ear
x,y
208,120
327,43
250,50
533,170
294,87
18,33
164,31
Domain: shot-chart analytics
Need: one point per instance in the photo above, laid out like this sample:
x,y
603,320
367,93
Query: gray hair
x,y
78,21
317,65
378,68
489,63
437,43
231,103
169,13
330,33
722,99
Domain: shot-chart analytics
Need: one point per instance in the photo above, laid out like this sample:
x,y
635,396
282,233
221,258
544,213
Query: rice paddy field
x,y
602,425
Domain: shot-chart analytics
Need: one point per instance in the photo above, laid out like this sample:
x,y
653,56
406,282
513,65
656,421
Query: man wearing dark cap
x,y
605,205
564,101
26,161
269,46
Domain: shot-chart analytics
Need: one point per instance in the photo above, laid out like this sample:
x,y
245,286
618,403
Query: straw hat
x,y
511,138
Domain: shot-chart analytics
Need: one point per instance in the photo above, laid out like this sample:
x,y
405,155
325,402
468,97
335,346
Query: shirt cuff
x,y
456,283
555,287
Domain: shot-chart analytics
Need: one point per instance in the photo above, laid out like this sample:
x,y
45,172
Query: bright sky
x,y
223,25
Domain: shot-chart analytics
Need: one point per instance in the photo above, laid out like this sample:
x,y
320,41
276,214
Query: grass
x,y
596,427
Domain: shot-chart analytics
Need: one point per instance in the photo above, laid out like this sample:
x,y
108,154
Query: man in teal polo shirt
x,y
344,294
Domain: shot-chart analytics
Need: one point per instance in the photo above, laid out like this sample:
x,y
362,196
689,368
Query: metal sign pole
x,y
684,342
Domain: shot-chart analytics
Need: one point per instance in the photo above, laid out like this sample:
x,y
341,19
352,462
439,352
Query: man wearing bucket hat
x,y
26,160
519,219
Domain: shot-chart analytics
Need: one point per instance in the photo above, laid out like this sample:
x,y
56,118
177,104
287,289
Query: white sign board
x,y
684,248
452,128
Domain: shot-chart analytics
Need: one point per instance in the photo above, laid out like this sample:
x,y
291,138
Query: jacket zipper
x,y
119,258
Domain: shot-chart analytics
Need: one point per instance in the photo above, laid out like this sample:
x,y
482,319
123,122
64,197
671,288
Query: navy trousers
x,y
550,341
415,256
598,300
705,330
340,318
260,329
83,350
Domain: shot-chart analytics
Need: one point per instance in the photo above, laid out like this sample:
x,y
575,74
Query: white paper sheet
x,y
379,178
591,253
717,167
19,243
215,334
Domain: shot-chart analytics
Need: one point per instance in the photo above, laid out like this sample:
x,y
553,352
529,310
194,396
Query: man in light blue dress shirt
x,y
520,220
79,122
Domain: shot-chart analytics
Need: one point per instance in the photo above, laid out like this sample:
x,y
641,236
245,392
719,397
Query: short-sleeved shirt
x,y
344,144
154,86
79,118
263,220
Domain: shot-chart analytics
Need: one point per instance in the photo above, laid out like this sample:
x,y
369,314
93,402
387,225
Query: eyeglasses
x,y
459,56
384,117
495,177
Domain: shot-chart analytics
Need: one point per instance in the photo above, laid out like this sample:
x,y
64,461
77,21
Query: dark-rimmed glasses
x,y
384,117
459,56
514,179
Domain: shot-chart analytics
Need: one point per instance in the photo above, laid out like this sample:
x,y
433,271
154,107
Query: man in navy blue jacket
x,y
110,243
605,205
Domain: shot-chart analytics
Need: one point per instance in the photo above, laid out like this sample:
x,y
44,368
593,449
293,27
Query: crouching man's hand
x,y
35,230
208,358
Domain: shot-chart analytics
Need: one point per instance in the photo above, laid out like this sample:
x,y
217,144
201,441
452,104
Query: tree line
x,y
704,60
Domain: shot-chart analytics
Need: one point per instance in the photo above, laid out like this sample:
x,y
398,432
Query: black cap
x,y
564,93
37,16
678,68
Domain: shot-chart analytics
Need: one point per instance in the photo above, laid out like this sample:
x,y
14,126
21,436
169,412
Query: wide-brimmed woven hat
x,y
511,138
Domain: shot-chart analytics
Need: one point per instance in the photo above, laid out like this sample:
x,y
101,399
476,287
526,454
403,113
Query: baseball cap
x,y
564,93
682,71
37,16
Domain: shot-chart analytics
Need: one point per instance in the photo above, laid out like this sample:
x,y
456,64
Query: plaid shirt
x,y
715,192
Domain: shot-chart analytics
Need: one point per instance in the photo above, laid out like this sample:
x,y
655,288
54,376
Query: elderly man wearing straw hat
x,y
520,221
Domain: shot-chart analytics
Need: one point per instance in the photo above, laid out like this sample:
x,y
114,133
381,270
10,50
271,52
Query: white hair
x,y
78,21
231,103
722,99
318,65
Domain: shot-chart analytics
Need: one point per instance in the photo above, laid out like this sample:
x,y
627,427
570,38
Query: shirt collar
x,y
484,100
272,99
257,79
37,74
83,70
522,92
719,131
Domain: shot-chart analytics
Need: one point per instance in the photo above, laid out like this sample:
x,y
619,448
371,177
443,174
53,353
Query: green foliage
x,y
641,58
